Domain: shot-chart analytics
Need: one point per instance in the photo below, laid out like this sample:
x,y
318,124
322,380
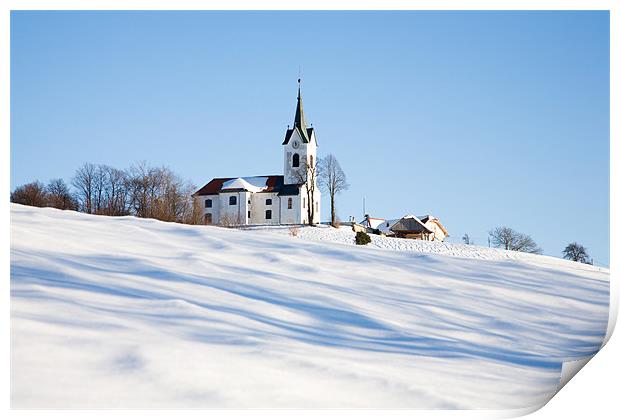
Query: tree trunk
x,y
332,208
309,208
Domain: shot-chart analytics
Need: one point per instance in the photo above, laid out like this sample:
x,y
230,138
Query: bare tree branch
x,y
333,180
507,238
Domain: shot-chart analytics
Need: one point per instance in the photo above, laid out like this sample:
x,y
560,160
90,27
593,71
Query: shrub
x,y
362,238
32,194
229,221
293,231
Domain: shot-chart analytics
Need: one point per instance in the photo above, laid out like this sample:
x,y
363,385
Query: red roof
x,y
274,182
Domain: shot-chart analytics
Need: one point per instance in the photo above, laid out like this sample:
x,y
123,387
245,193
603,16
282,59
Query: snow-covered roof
x,y
252,184
428,218
372,222
264,183
385,226
410,223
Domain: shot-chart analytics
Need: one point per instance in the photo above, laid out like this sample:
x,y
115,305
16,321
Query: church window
x,y
232,200
249,214
290,203
295,160
268,202
267,214
208,218
208,203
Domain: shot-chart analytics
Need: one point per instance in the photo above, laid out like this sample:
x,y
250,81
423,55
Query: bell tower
x,y
299,146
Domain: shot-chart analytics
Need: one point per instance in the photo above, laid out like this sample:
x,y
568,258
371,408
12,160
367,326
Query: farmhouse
x,y
427,228
292,198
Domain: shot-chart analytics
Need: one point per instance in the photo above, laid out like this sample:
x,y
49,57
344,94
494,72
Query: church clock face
x,y
295,144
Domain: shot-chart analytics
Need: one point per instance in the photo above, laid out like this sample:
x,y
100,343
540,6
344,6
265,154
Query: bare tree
x,y
306,176
141,181
509,239
577,252
333,180
159,193
59,195
32,194
115,201
195,217
99,186
84,183
174,201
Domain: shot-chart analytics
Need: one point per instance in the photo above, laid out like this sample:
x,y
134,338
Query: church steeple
x,y
300,119
300,126
299,146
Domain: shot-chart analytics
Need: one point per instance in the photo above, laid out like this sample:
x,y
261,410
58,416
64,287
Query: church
x,y
292,198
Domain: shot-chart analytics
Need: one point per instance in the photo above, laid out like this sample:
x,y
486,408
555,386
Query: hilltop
x,y
127,312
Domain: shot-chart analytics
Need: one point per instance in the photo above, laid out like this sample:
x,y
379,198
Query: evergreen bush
x,y
362,238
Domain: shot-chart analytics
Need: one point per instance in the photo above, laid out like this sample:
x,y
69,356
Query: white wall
x,y
293,215
258,208
214,210
438,233
234,213
280,213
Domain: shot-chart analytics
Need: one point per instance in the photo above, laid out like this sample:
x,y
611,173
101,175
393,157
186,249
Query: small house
x,y
427,228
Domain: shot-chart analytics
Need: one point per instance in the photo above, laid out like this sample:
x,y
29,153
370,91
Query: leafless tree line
x,y
142,190
55,194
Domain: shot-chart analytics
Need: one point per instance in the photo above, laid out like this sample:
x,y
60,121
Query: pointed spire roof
x,y
300,119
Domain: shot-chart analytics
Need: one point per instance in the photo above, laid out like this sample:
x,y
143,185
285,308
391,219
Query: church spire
x,y
300,119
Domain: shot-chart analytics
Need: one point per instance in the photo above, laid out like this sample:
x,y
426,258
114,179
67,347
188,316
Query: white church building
x,y
270,199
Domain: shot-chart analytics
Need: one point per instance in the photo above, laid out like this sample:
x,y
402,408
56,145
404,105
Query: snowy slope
x,y
344,235
125,312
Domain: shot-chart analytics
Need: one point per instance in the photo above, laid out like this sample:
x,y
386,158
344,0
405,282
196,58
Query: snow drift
x,y
126,312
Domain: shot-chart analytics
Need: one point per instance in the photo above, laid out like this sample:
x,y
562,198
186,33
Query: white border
x,y
594,393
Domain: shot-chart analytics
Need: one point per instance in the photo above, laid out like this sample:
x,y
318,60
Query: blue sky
x,y
480,118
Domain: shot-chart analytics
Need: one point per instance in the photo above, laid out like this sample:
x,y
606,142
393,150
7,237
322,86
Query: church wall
x,y
317,200
258,208
214,209
291,216
303,210
231,214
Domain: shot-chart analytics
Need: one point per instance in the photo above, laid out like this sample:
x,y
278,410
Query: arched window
x,y
290,203
295,160
208,218
232,201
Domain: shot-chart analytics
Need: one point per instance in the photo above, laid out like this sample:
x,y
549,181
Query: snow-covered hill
x,y
125,312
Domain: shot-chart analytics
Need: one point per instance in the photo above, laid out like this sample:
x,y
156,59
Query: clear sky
x,y
479,118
